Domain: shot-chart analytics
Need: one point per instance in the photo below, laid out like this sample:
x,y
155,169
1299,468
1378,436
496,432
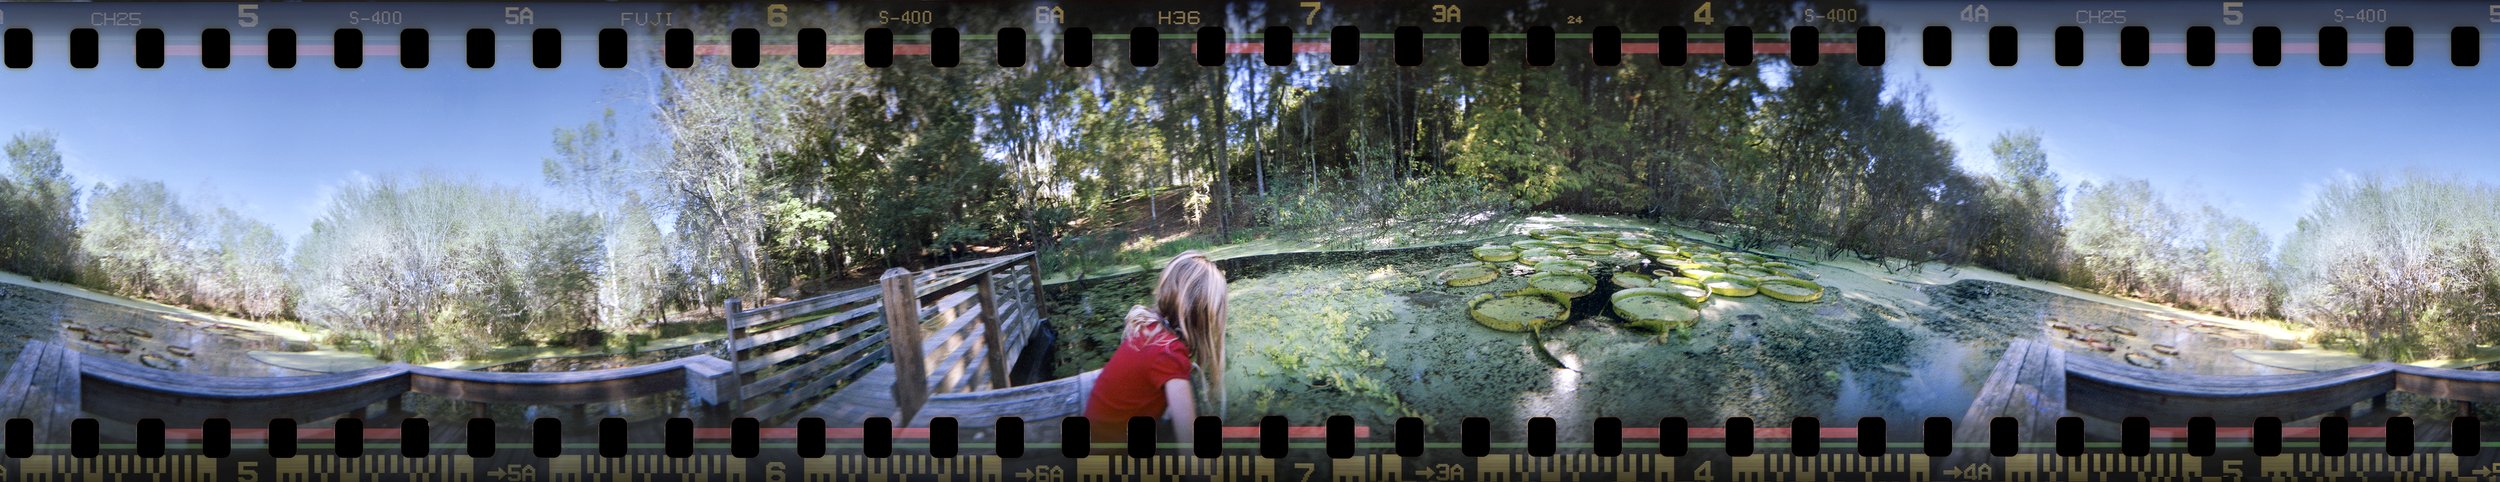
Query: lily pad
x,y
1731,285
1495,253
1526,244
1697,293
1565,266
1518,311
1469,274
1626,279
1791,289
1564,283
1655,310
1597,249
1749,272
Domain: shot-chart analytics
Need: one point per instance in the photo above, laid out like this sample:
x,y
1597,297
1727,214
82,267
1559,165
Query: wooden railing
x,y
2109,390
970,319
52,383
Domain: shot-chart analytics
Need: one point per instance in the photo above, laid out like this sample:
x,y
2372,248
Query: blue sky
x,y
270,143
2254,141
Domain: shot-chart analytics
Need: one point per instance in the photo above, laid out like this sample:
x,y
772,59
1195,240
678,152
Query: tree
x,y
38,210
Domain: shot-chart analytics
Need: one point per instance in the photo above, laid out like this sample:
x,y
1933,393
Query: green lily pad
x,y
1731,285
1495,253
1518,311
1626,279
1565,283
1655,309
1697,293
1469,274
1791,289
1565,266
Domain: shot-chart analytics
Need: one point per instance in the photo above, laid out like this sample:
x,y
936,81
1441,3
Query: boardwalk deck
x,y
42,386
2028,385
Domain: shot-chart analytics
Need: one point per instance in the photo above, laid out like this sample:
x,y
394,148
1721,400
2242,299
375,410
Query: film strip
x,y
536,36
476,338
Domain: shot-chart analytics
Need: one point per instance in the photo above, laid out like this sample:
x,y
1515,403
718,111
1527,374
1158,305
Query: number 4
x,y
1702,15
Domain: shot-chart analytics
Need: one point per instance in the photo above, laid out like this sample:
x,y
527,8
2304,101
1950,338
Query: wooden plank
x,y
903,337
19,381
813,367
957,366
60,396
2449,384
981,410
766,315
1998,395
846,337
991,325
2113,390
861,315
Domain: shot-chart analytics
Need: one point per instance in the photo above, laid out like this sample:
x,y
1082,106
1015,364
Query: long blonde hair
x,y
1191,298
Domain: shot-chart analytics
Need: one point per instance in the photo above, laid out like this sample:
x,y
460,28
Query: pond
x,y
189,343
1380,335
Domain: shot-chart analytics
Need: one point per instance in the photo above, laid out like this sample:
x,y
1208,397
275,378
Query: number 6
x,y
247,15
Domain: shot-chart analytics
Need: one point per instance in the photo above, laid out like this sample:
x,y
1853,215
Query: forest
x,y
777,181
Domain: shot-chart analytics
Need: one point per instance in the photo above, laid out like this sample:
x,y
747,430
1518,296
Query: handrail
x,y
2112,390
121,390
967,317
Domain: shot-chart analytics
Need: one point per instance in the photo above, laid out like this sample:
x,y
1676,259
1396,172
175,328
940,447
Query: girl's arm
x,y
1181,410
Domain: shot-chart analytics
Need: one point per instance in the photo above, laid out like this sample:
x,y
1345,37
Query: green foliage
x,y
447,263
2405,263
38,210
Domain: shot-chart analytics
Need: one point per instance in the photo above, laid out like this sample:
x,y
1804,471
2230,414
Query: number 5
x,y
247,15
2495,14
2231,13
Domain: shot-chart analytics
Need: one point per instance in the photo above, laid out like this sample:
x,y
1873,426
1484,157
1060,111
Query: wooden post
x,y
992,336
1040,309
902,339
734,395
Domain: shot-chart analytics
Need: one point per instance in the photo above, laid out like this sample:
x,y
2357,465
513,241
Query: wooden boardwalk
x,y
831,356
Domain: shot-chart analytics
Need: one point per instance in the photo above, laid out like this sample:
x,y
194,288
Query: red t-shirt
x,y
1131,384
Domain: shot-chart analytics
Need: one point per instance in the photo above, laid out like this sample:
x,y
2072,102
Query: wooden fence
x,y
969,319
972,319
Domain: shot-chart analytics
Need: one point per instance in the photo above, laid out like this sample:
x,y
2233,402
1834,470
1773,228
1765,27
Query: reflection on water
x,y
1872,347
192,344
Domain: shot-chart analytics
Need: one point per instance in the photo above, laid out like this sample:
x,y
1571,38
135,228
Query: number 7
x,y
1313,16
